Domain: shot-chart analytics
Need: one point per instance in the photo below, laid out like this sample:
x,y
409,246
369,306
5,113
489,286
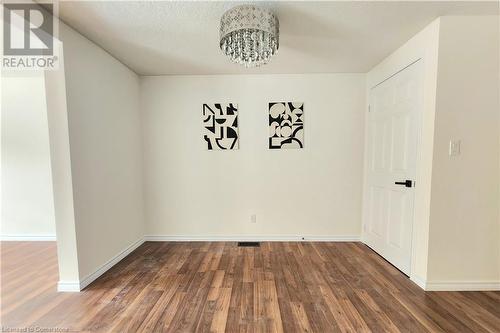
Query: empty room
x,y
265,166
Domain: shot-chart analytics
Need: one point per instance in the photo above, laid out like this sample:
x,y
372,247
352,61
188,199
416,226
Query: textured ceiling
x,y
179,37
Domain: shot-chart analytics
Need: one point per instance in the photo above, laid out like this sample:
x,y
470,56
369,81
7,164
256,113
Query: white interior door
x,y
393,123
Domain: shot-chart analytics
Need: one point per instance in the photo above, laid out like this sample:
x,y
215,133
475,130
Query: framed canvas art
x,y
286,125
221,126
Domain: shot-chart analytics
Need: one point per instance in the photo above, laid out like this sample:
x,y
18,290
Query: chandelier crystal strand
x,y
249,35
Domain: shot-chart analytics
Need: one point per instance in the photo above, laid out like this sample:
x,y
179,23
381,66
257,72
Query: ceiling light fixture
x,y
249,35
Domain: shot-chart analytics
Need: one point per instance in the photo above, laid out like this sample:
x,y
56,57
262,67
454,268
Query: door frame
x,y
419,125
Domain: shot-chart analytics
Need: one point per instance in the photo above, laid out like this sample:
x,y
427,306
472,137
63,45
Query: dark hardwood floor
x,y
279,287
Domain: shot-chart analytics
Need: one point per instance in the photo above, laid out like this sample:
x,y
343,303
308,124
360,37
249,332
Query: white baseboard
x,y
76,286
27,238
113,261
418,281
462,285
68,286
256,238
456,285
73,286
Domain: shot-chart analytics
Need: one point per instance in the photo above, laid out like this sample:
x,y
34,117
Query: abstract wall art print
x,y
221,126
286,125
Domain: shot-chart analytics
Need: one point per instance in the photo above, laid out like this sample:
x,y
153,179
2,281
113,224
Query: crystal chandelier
x,y
249,35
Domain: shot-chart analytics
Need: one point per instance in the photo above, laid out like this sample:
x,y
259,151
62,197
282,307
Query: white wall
x,y
105,143
312,192
464,243
457,243
27,199
62,180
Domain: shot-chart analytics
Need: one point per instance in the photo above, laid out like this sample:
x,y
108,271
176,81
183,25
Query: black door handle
x,y
407,183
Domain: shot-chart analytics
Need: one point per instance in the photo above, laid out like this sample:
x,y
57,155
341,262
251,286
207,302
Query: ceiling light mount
x,y
249,35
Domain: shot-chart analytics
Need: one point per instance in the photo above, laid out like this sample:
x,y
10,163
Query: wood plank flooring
x,y
217,287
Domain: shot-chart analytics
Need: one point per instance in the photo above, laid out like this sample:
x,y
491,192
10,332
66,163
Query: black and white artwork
x,y
221,126
286,125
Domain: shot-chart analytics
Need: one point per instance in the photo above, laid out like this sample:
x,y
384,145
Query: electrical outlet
x,y
454,148
253,218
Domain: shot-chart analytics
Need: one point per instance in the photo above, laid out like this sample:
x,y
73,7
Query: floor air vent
x,y
249,244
